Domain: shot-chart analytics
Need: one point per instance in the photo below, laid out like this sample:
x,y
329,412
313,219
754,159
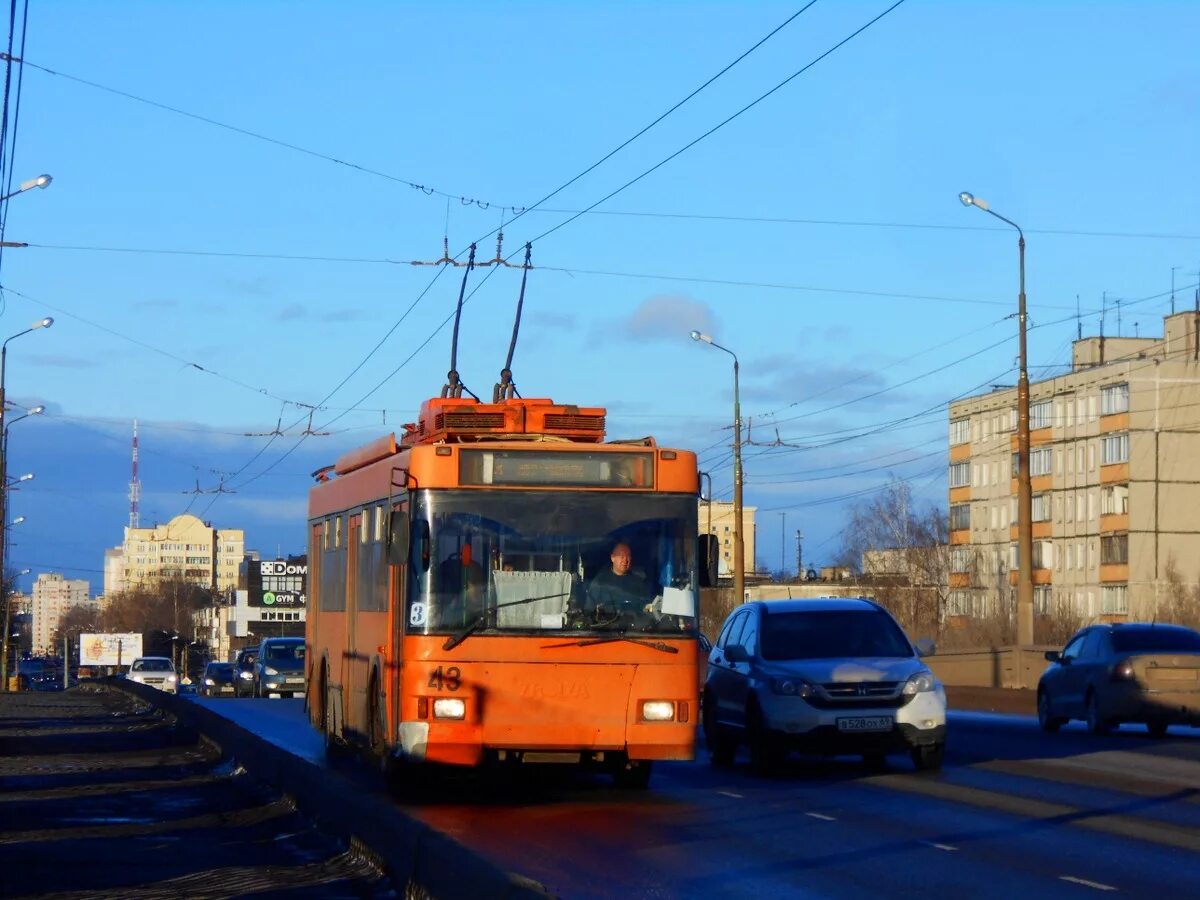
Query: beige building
x,y
716,517
1115,475
183,548
52,596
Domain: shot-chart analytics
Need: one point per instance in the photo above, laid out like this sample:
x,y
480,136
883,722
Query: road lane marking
x,y
821,816
945,847
1162,833
731,794
1092,884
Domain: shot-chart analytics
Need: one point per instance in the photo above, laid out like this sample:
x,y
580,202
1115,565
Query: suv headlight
x,y
245,674
919,683
792,687
267,670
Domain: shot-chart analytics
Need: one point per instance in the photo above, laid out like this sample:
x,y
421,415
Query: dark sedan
x,y
1129,672
219,680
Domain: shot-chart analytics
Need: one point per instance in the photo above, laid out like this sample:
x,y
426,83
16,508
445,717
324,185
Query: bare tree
x,y
913,539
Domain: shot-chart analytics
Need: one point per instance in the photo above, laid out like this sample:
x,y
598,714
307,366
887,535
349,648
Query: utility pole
x,y
782,543
799,557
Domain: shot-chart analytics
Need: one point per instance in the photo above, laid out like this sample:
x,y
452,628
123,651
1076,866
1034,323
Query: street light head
x,y
28,476
43,323
969,199
697,336
23,572
18,520
40,182
35,410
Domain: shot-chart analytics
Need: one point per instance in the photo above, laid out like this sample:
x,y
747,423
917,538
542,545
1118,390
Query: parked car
x,y
1127,672
827,675
218,680
243,665
279,668
156,671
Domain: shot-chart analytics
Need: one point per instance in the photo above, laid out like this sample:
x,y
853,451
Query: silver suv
x,y
827,675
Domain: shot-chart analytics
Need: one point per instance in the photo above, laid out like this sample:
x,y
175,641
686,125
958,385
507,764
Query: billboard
x,y
277,584
109,649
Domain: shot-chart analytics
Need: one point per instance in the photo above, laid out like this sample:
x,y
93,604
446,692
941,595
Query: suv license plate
x,y
865,723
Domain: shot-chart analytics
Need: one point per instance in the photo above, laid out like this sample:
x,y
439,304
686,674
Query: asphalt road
x,y
1014,812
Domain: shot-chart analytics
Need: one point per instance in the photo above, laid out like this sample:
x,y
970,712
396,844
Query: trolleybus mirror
x,y
709,551
420,546
398,538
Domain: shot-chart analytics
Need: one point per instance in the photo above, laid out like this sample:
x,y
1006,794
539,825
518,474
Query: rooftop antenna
x,y
1118,317
453,386
1173,268
1103,310
505,389
1078,320
135,486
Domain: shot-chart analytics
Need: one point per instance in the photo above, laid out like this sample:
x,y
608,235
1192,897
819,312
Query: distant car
x,y
155,671
280,668
1127,672
243,666
827,675
218,680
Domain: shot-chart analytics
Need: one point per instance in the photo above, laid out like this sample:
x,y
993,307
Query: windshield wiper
x,y
480,621
609,638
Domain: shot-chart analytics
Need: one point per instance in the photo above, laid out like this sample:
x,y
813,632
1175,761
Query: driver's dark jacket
x,y
619,593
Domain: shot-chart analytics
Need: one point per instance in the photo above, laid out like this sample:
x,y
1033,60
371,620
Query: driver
x,y
620,590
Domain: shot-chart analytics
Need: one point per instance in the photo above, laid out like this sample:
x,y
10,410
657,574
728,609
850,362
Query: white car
x,y
831,675
155,671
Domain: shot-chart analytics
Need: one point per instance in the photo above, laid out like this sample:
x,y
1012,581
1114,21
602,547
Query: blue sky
x,y
818,234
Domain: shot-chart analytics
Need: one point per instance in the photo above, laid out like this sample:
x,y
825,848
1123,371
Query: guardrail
x,y
1002,667
421,861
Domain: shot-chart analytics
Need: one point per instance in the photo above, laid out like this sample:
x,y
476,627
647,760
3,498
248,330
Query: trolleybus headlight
x,y
658,710
449,708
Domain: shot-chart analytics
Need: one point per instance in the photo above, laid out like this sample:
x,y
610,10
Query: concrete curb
x,y
422,862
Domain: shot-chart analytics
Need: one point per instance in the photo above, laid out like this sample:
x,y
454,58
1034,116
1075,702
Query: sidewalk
x,y
999,700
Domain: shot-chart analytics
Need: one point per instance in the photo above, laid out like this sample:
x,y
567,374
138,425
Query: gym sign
x,y
276,584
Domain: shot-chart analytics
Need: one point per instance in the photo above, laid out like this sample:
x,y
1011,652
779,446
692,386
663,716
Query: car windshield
x,y
831,634
528,561
284,651
152,665
1154,639
220,669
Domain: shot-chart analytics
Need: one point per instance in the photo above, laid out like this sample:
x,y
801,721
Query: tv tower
x,y
135,486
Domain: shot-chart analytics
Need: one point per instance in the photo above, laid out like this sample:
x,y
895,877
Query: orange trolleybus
x,y
455,614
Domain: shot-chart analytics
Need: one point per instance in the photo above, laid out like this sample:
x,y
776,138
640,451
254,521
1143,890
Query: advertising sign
x,y
277,584
109,649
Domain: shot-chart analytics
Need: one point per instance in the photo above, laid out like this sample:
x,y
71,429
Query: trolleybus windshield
x,y
544,562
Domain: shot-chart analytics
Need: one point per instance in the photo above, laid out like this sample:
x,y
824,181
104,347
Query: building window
x,y
960,559
1041,461
1114,598
1040,414
1114,500
1012,419
1114,449
960,516
1114,399
1114,549
960,474
1041,599
1043,554
960,431
1070,411
1041,508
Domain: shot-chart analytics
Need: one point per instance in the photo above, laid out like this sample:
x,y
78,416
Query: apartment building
x,y
52,596
184,548
1115,477
717,518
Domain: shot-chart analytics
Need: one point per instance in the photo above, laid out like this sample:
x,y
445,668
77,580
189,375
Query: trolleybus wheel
x,y
634,775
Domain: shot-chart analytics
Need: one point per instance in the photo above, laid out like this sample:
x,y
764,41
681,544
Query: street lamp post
x,y
1024,491
4,485
739,569
41,181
